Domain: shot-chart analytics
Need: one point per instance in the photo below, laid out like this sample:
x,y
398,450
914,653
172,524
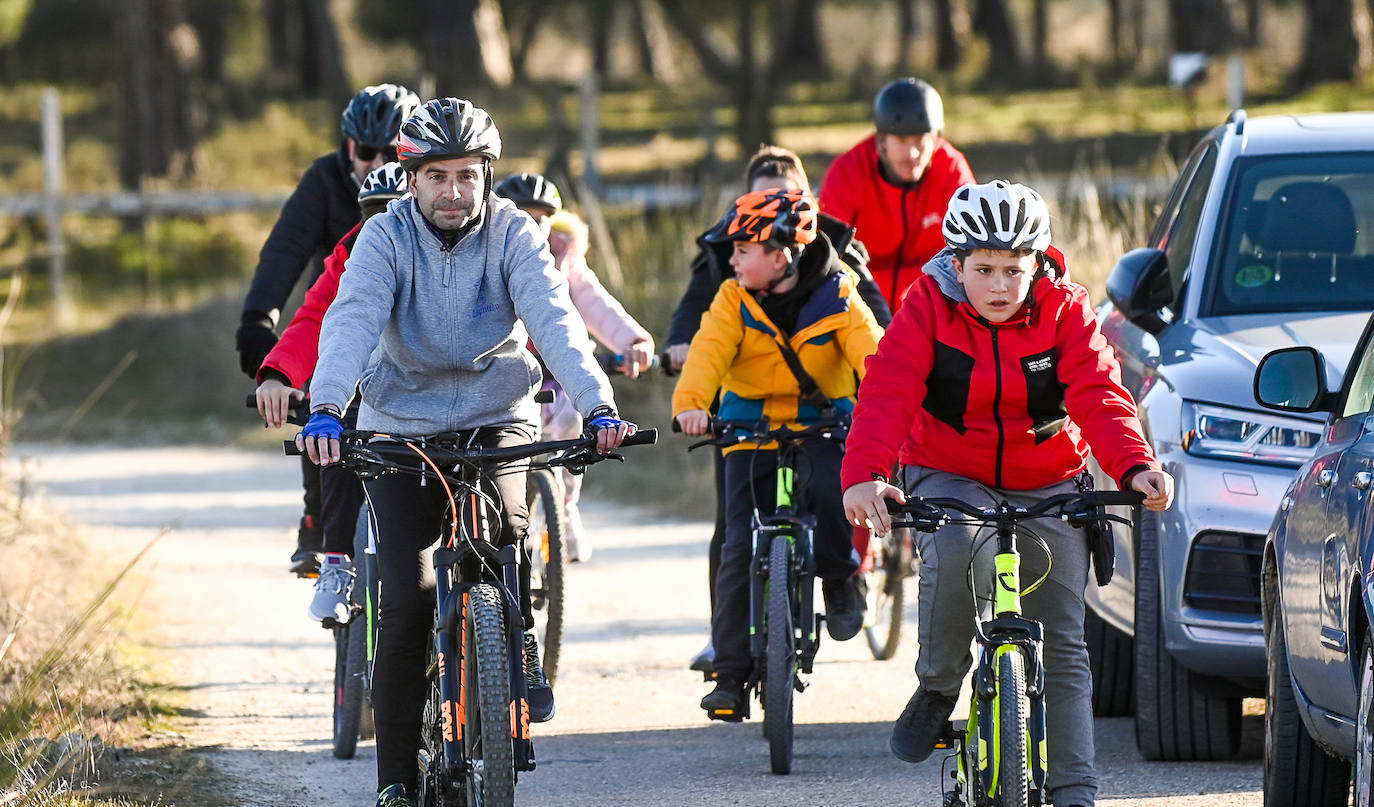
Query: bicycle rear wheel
x,y
350,661
546,547
1012,709
487,715
781,667
887,594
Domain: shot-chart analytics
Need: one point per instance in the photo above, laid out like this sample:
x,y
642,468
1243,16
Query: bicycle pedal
x,y
951,737
727,715
800,685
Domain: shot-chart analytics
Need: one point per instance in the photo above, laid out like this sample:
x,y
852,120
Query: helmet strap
x,y
788,271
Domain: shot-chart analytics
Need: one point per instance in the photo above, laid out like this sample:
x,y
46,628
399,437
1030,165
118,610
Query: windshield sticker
x,y
1254,276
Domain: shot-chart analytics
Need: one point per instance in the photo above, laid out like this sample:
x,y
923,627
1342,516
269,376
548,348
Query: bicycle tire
x,y
887,594
350,659
1013,714
487,729
546,546
781,663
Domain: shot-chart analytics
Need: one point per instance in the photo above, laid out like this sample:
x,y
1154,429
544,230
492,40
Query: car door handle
x,y
1362,480
1325,478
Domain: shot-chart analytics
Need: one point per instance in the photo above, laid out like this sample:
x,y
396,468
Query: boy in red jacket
x,y
991,384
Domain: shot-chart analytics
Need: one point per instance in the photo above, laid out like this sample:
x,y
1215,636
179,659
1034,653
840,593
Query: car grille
x,y
1224,572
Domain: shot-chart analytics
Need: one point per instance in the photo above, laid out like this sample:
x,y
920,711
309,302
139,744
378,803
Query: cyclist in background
x,y
322,209
284,375
606,318
894,185
789,286
769,167
441,294
991,385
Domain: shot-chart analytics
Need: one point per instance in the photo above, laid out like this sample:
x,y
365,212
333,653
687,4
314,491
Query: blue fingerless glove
x,y
602,417
323,424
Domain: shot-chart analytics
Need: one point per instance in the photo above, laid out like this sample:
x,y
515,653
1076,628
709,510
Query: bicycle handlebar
x,y
370,448
1079,509
294,415
726,433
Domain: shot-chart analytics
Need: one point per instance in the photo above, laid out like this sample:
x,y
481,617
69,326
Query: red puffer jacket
x,y
1014,405
900,225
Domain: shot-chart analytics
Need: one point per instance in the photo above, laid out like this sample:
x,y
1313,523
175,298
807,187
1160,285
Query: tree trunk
x,y
1254,22
753,101
281,22
529,28
1115,33
797,50
991,20
601,15
1040,24
321,57
1201,25
948,54
465,46
1335,44
158,51
906,34
210,18
652,43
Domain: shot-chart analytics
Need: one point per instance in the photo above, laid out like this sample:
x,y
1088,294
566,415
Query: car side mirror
x,y
1292,380
1139,288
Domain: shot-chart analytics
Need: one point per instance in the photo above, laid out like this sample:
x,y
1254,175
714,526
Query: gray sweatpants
x,y
948,615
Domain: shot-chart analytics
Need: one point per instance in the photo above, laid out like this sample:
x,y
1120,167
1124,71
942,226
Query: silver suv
x,y
1267,241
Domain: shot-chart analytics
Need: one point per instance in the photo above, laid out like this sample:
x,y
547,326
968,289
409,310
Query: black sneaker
x,y
305,563
394,796
726,701
705,661
920,725
844,607
537,687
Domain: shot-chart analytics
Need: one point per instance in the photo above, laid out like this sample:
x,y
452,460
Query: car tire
x,y
1297,772
1111,654
1176,719
1363,769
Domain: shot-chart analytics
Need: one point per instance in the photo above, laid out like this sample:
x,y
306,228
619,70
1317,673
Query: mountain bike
x,y
784,633
355,639
476,721
1000,751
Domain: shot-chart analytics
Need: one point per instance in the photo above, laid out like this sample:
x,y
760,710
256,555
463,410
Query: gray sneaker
x,y
332,589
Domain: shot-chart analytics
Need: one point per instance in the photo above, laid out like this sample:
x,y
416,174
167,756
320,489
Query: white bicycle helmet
x,y
997,215
387,181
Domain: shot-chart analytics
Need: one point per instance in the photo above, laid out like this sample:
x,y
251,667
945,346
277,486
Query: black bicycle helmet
x,y
374,115
530,189
908,106
445,128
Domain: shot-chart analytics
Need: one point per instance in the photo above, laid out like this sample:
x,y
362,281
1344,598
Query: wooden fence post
x,y
591,130
54,185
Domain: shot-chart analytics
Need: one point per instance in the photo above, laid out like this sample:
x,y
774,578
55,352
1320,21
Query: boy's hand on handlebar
x,y
608,429
274,401
638,357
694,422
1158,487
320,438
677,356
865,505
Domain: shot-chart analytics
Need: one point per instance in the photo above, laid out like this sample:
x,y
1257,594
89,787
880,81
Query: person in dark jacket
x,y
771,166
321,211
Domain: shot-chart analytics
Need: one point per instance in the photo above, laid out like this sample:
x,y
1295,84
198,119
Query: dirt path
x,y
628,730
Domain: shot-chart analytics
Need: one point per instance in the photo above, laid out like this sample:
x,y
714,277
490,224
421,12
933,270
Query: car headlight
x,y
1234,434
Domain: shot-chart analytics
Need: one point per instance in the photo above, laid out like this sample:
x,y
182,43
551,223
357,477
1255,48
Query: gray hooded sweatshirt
x,y
437,335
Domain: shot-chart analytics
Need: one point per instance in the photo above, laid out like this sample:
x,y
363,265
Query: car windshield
x,y
1298,237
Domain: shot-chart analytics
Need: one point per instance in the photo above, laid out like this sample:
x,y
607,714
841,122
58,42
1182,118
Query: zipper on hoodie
x,y
997,403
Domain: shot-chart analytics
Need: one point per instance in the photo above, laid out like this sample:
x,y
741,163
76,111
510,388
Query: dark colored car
x,y
1316,587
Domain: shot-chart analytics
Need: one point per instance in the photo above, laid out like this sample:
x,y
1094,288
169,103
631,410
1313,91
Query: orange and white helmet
x,y
773,216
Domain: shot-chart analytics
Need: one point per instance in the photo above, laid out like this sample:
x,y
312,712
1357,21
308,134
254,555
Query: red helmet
x,y
776,217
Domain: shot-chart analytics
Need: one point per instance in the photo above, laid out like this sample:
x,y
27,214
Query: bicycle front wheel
x,y
781,667
887,594
487,729
1010,740
546,548
350,662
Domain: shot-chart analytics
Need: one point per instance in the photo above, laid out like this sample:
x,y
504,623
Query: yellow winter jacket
x,y
736,351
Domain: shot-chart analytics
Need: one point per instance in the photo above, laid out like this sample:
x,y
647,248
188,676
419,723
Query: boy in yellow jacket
x,y
789,286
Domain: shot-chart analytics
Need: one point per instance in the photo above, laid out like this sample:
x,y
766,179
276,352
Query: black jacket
x,y
712,267
321,211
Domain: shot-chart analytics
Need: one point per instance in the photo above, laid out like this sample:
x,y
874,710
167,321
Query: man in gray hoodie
x,y
440,295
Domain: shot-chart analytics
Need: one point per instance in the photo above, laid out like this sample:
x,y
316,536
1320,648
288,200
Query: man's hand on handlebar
x,y
609,430
694,422
1158,487
274,401
865,505
320,437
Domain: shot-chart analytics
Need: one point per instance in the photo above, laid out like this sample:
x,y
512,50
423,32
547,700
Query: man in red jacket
x,y
991,384
893,186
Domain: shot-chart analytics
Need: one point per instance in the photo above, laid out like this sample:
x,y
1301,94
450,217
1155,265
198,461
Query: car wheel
x,y
1176,718
1297,772
1364,729
1112,656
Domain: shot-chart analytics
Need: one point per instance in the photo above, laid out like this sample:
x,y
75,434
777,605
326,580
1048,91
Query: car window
x,y
1361,385
1296,236
1180,239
